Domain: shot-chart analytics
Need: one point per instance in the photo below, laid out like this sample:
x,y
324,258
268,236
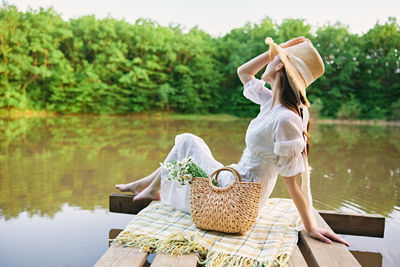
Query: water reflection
x,y
77,160
356,167
46,163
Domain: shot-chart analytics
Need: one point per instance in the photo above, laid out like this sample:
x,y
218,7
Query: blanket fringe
x,y
178,244
215,258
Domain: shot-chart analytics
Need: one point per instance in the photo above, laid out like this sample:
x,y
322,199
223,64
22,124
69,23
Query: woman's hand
x,y
293,42
322,235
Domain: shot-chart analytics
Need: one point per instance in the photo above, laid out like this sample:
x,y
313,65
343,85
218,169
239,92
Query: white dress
x,y
274,142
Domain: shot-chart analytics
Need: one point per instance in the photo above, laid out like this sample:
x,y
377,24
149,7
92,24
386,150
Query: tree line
x,y
110,66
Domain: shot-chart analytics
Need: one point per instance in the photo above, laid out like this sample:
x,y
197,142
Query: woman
x,y
276,140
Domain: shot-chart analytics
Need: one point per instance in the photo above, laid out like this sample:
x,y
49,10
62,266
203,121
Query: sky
x,y
218,17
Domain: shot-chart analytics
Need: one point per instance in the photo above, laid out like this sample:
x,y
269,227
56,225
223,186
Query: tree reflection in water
x,y
47,162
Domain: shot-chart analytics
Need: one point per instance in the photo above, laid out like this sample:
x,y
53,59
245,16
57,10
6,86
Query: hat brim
x,y
291,70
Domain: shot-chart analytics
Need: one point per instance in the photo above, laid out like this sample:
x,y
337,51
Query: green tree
x,y
109,66
379,77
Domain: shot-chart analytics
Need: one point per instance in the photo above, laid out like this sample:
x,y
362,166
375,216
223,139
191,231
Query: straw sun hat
x,y
302,62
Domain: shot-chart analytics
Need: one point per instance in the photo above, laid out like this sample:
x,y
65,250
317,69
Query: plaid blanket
x,y
161,228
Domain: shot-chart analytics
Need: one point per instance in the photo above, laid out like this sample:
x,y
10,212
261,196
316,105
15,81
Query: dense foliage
x,y
109,66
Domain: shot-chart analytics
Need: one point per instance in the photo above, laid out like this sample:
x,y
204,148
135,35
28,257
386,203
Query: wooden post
x,y
122,203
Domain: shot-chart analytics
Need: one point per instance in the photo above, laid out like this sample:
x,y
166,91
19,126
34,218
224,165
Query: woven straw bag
x,y
231,209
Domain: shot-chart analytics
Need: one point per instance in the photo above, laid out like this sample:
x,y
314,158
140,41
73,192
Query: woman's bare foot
x,y
149,193
139,185
134,187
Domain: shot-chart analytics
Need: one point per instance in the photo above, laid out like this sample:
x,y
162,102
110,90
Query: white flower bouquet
x,y
183,171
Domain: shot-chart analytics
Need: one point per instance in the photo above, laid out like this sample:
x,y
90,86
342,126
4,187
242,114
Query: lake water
x,y
56,175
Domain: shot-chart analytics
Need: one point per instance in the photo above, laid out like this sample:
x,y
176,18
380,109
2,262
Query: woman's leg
x,y
139,185
185,145
152,192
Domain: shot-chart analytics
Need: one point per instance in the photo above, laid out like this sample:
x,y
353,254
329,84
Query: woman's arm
x,y
247,71
293,186
300,201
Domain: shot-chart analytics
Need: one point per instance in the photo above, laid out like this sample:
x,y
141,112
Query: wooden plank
x,y
326,255
304,252
164,260
368,259
354,223
123,257
297,259
122,203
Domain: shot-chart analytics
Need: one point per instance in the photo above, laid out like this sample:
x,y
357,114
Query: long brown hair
x,y
288,99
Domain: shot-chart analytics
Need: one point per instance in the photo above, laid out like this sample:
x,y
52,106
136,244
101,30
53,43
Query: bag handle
x,y
236,174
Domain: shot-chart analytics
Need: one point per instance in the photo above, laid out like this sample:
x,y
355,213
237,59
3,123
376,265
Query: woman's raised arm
x,y
247,71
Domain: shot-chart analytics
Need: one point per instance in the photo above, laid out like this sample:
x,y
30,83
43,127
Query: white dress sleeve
x,y
256,92
288,145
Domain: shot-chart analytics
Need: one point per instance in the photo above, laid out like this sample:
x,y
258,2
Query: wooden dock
x,y
308,251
